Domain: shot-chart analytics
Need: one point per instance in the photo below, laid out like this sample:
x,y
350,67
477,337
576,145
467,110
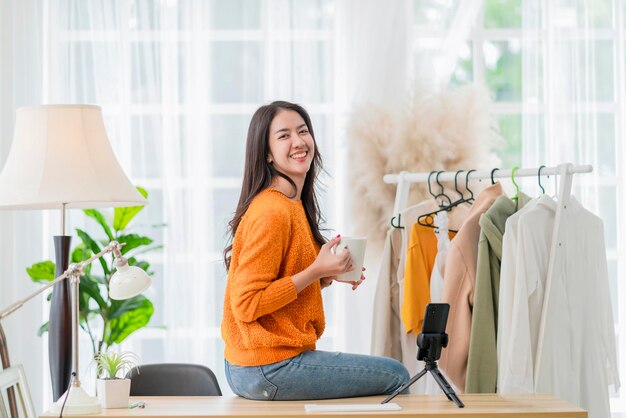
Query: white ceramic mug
x,y
356,246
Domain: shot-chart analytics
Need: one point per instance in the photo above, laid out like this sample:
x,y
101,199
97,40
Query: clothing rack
x,y
564,171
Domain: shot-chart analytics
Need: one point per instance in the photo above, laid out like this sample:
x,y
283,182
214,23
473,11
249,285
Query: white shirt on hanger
x,y
515,363
443,241
578,354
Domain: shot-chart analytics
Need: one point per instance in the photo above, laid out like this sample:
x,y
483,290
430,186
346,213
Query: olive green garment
x,y
482,360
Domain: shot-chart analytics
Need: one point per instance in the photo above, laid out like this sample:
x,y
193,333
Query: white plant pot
x,y
114,393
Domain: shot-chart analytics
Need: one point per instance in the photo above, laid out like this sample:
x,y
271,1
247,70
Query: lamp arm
x,y
113,247
14,307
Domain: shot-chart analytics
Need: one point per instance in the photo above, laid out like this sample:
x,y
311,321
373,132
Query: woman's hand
x,y
326,267
328,264
354,284
327,281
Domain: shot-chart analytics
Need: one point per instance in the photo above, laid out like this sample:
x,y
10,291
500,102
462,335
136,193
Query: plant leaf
x,y
150,249
93,245
133,241
99,217
124,215
89,286
80,253
135,314
42,272
42,329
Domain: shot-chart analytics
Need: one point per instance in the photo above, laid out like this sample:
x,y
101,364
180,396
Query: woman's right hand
x,y
328,263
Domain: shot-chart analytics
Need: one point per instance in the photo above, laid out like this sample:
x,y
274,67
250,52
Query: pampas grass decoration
x,y
449,130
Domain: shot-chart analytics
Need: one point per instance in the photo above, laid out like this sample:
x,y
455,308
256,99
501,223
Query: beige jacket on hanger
x,y
458,287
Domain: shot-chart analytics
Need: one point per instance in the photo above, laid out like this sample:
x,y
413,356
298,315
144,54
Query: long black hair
x,y
258,172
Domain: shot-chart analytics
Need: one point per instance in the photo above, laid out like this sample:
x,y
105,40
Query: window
x,y
507,38
178,82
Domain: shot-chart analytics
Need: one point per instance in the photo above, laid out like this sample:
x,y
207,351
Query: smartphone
x,y
435,318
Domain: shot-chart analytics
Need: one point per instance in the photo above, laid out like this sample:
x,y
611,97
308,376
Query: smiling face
x,y
291,145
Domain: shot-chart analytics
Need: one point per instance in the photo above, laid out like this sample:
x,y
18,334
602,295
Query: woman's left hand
x,y
354,284
327,281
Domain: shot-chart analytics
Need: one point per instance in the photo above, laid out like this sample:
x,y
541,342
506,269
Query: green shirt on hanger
x,y
482,366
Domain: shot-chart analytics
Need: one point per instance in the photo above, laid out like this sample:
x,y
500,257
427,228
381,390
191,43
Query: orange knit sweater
x,y
265,320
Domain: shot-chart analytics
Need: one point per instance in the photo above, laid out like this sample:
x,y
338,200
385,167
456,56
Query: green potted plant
x,y
106,321
111,368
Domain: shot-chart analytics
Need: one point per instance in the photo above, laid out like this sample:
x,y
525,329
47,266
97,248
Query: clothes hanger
x,y
442,194
471,198
456,186
493,171
516,197
399,216
398,226
543,191
428,219
517,192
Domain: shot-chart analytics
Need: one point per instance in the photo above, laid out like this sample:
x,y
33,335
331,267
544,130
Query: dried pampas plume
x,y
450,130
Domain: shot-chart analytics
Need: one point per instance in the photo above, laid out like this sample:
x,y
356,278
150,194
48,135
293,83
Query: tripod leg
x,y
445,386
406,385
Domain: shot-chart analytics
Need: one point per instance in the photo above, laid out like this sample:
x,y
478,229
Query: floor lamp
x,y
61,158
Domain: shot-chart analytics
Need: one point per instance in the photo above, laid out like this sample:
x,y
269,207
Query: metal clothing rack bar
x,y
404,179
564,171
485,174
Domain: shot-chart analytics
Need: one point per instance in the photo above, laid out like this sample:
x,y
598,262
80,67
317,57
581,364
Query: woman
x,y
277,265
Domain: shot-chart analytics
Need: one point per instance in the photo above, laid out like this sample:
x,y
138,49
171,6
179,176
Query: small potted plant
x,y
113,388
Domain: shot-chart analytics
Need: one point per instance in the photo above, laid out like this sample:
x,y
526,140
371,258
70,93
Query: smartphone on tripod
x,y
435,318
430,342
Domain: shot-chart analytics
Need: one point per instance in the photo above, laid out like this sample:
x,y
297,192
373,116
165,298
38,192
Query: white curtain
x,y
22,240
573,111
568,81
373,51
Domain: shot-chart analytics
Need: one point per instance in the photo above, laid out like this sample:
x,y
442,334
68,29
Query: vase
x,y
114,393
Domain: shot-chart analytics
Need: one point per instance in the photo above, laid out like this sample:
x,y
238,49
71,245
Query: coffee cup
x,y
356,246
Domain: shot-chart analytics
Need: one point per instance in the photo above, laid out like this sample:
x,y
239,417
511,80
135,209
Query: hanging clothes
x,y
578,357
443,242
386,326
408,341
506,382
458,287
482,358
419,267
436,282
388,337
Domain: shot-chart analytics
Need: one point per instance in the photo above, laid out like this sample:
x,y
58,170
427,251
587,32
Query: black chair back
x,y
173,379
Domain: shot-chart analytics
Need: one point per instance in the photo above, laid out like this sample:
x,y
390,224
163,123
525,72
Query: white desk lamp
x,y
61,158
127,282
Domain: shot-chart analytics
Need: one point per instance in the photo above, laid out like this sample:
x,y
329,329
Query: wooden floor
x,y
476,405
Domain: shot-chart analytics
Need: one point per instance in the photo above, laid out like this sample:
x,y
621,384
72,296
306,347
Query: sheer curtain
x,y
22,240
178,82
573,110
373,50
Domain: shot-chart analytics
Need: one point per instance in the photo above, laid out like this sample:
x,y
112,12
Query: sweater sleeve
x,y
256,288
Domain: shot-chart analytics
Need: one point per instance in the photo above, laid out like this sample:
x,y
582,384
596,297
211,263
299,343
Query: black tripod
x,y
429,351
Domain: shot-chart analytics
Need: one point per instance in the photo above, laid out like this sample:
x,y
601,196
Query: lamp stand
x,y
126,283
60,323
77,401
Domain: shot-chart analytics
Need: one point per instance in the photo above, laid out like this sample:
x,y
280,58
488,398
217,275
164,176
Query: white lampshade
x,y
61,155
128,282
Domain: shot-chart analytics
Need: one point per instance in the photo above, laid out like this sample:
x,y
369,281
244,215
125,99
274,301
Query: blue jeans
x,y
318,375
